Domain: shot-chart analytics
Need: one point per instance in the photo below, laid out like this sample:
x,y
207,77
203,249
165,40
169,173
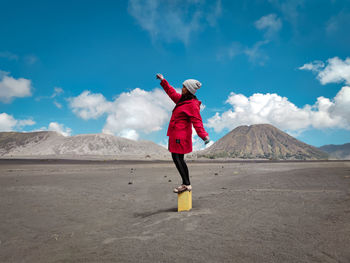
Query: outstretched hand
x,y
159,76
206,140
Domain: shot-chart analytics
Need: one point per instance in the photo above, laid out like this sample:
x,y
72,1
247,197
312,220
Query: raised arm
x,y
169,89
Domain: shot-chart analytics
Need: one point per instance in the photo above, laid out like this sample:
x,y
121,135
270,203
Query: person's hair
x,y
187,96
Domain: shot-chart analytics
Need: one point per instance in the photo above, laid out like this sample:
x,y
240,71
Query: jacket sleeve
x,y
170,91
196,119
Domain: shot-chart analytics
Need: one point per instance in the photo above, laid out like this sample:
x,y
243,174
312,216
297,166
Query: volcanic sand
x,y
66,211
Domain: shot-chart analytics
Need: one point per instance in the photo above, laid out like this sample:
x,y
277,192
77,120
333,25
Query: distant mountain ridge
x,y
261,141
337,151
48,143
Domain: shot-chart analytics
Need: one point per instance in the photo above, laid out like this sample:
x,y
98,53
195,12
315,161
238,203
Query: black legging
x,y
181,167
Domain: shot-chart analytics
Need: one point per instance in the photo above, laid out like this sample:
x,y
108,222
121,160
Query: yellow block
x,y
184,201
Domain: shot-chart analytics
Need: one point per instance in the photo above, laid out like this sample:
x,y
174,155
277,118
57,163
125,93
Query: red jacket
x,y
184,115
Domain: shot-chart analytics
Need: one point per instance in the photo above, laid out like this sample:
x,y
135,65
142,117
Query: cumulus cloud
x,y
89,106
270,23
174,20
280,112
139,111
129,134
60,128
9,123
334,71
128,115
11,87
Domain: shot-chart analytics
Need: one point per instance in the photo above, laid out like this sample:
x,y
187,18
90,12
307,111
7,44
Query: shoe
x,y
182,188
189,187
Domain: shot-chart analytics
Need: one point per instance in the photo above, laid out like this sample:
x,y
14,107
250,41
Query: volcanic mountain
x,y
261,141
337,151
49,143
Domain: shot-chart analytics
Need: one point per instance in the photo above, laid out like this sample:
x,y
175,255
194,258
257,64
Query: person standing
x,y
185,113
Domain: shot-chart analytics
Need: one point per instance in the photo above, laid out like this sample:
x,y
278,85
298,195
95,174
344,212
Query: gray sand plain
x,y
84,211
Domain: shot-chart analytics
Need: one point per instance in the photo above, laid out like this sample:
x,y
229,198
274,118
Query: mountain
x,y
48,143
261,141
337,151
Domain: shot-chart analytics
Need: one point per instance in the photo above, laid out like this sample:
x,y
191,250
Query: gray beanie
x,y
192,85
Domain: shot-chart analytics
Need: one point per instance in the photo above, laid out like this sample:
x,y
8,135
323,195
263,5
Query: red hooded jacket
x,y
184,115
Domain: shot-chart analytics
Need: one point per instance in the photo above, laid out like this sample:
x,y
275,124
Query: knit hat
x,y
192,85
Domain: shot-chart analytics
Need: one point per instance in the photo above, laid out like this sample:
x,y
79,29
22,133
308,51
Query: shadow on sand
x,y
151,213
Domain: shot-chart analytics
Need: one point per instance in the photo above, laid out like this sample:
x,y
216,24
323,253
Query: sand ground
x,y
242,212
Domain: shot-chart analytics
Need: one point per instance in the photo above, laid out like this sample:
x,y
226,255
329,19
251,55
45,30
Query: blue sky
x,y
89,66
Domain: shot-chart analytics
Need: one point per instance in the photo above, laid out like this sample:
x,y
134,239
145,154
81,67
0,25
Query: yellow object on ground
x,y
184,201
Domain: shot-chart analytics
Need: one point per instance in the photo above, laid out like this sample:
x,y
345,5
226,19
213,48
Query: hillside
x,y
337,151
261,141
47,143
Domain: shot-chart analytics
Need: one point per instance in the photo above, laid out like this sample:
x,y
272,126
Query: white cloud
x,y
129,134
9,123
335,71
271,23
57,104
280,112
130,114
139,111
89,105
11,87
57,91
174,20
22,123
57,127
314,66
